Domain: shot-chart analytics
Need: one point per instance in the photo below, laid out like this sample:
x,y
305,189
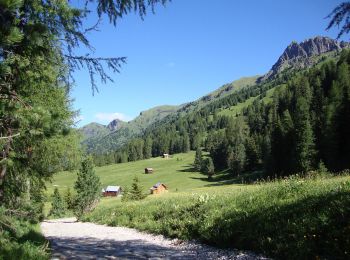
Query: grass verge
x,y
20,239
294,218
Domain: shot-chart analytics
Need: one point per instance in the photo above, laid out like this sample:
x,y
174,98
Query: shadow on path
x,y
92,248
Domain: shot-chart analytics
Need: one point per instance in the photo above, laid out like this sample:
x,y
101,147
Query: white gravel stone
x,y
70,239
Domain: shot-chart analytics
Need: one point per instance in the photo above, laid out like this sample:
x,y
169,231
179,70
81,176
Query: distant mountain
x,y
92,130
219,93
295,57
305,54
115,125
119,132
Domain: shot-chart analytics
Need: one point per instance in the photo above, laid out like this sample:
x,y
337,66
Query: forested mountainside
x,y
293,122
117,133
93,130
100,139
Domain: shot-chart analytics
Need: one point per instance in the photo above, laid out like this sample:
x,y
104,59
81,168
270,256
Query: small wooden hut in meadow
x,y
165,155
158,188
111,191
148,170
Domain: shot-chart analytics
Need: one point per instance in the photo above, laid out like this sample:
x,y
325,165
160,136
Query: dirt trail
x,y
76,240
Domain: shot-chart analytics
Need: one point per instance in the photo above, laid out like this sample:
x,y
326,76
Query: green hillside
x,y
237,109
218,94
93,130
104,143
176,172
99,140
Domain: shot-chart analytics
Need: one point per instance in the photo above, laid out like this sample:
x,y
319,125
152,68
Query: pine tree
x,y
87,188
185,143
69,199
237,159
252,153
208,167
57,206
147,149
304,139
342,118
135,192
198,159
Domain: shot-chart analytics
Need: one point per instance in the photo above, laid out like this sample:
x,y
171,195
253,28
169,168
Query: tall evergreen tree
x,y
208,167
237,159
185,143
304,138
87,187
198,159
147,149
38,40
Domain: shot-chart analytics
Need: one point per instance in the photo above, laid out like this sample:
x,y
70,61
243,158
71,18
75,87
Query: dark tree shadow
x,y
188,168
225,177
92,248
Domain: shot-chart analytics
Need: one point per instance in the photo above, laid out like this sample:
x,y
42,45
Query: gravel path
x,y
76,240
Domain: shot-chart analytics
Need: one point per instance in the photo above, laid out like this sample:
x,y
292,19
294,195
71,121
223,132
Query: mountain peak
x,y
115,124
298,55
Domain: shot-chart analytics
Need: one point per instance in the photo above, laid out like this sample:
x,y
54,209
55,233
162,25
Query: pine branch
x,y
339,15
10,136
96,65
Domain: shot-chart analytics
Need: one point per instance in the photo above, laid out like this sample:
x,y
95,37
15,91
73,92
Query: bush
x,y
19,238
135,192
58,206
292,218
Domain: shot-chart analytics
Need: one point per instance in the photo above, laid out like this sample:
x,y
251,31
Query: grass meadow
x,y
292,218
176,172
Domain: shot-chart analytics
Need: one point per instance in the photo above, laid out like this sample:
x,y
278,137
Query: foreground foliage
x,y
292,218
20,239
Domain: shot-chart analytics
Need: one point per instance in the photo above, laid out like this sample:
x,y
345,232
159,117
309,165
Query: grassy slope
x,y
233,110
288,219
176,172
217,94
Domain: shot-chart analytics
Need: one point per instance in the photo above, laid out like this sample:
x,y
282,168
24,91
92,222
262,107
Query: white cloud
x,y
108,117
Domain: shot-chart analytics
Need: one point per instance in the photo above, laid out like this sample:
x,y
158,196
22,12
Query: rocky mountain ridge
x,y
115,124
303,55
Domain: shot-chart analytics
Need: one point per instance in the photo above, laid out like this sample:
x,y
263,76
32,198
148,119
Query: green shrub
x,y
135,192
293,218
58,205
20,239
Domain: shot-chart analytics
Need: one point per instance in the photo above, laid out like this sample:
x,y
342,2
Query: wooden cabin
x,y
165,155
148,170
111,191
158,188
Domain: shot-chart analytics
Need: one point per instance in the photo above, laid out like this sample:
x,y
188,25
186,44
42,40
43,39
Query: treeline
x,y
185,130
306,125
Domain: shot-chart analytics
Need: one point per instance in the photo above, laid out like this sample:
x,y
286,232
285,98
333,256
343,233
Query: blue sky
x,y
190,48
